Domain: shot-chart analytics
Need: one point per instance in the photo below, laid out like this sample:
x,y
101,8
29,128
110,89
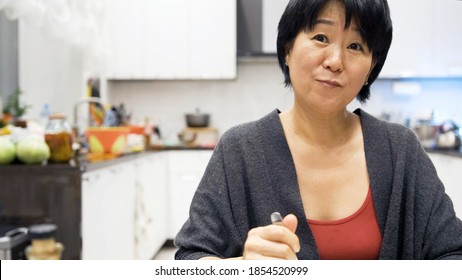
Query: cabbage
x,y
32,150
7,151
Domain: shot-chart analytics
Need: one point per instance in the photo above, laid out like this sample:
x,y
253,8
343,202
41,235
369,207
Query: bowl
x,y
107,140
187,138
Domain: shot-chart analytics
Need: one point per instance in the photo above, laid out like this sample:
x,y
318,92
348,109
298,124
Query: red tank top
x,y
356,237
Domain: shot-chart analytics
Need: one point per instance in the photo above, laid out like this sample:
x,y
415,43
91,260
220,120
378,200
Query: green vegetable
x,y
14,107
32,150
7,151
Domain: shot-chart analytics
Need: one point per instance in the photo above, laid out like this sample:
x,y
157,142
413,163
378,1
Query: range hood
x,y
257,22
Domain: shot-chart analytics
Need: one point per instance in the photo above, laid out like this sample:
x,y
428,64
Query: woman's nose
x,y
334,59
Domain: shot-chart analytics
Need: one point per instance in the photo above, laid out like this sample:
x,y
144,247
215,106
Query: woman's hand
x,y
273,241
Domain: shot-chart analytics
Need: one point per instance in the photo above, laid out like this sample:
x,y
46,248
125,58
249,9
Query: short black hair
x,y
371,16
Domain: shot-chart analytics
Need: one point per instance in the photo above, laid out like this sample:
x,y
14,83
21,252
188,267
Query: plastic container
x,y
58,136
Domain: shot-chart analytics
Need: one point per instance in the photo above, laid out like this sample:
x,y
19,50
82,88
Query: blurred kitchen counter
x,y
102,163
446,152
32,194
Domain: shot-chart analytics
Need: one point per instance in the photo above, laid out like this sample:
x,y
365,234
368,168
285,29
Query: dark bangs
x,y
371,16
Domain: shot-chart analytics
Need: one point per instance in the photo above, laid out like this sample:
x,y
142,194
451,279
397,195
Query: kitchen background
x,y
163,59
52,69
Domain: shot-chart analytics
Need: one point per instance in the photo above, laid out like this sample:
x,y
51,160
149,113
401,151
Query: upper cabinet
x,y
426,35
272,11
426,41
171,39
448,37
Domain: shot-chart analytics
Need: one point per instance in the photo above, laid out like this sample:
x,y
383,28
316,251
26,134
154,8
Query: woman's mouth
x,y
329,83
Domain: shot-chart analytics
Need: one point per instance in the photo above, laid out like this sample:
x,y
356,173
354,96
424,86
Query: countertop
x,y
85,165
89,166
447,152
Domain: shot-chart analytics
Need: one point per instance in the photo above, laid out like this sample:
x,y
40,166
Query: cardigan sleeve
x,y
436,221
210,229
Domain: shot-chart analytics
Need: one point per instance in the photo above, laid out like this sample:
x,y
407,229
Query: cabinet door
x,y
272,11
151,205
448,38
448,168
108,213
171,39
125,30
412,49
167,39
185,170
212,30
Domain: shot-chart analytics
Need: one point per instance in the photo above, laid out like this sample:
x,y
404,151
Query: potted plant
x,y
14,110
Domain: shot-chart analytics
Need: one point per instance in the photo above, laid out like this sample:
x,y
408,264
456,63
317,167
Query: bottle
x,y
44,245
148,129
44,114
58,136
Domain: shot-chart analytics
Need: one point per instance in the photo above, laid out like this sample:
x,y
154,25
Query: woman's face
x,y
329,64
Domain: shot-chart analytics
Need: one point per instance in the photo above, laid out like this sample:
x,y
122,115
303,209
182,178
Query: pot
x,y
426,131
449,136
197,119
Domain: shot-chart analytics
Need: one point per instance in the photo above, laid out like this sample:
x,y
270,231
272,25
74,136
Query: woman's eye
x,y
356,47
320,38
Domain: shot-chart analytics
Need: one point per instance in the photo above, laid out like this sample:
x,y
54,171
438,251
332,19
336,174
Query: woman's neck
x,y
321,129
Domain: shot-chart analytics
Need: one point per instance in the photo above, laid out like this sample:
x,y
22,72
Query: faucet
x,y
75,127
81,101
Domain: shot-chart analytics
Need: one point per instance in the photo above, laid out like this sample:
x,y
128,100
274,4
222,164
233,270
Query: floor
x,y
167,252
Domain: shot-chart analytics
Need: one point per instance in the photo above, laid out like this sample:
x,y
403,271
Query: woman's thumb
x,y
291,222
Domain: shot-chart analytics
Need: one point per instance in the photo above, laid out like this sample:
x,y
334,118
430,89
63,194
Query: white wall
x,y
8,57
257,90
50,72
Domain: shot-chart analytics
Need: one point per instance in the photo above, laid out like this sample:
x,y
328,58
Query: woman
x,y
350,186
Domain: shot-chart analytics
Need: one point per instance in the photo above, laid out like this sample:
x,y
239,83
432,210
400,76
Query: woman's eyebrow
x,y
324,21
330,22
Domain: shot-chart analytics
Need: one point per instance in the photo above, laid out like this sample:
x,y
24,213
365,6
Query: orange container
x,y
136,129
107,140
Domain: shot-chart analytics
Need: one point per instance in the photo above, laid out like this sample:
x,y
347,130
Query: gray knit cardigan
x,y
252,174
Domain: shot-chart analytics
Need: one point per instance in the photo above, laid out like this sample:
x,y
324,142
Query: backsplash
x,y
442,96
259,89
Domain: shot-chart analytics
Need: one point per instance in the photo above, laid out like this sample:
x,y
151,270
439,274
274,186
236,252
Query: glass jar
x,y
58,135
44,245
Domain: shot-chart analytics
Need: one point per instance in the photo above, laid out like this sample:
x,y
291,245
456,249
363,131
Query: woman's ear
x,y
287,59
366,82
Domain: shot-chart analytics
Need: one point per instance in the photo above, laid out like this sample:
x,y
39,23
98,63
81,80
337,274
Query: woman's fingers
x,y
290,221
258,248
272,241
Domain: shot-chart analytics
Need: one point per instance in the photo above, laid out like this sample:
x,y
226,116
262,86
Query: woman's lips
x,y
329,83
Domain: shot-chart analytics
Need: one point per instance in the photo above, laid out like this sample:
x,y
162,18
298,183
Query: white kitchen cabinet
x,y
185,170
426,40
124,209
448,38
171,39
108,207
272,11
412,47
151,220
449,168
130,209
